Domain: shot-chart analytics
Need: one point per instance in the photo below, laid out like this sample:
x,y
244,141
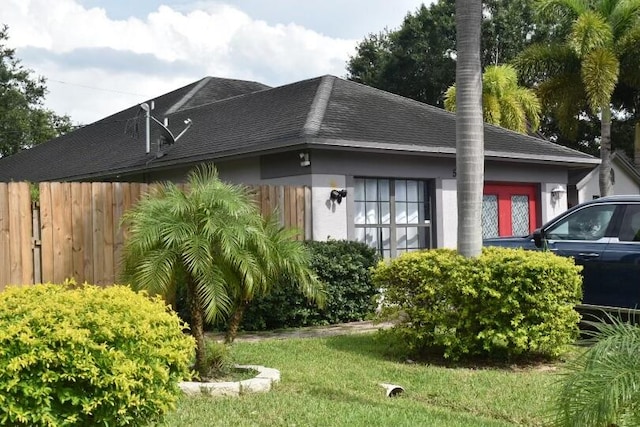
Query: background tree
x,y
504,103
469,127
211,240
24,122
582,72
418,59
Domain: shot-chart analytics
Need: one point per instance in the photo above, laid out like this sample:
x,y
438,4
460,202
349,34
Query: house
x,y
393,157
584,184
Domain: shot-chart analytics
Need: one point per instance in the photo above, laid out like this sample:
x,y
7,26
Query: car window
x,y
630,228
589,223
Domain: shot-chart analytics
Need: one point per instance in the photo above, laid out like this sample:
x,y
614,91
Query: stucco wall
x,y
447,214
551,205
336,170
624,184
329,218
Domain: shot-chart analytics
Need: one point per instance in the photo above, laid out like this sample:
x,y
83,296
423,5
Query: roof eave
x,y
489,154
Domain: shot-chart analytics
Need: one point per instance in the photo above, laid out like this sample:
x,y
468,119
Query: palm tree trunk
x,y
197,326
469,127
636,145
234,322
606,186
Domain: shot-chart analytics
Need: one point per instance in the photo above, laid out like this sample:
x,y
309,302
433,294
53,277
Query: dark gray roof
x,y
235,118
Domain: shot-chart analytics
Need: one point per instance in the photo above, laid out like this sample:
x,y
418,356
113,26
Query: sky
x,y
102,56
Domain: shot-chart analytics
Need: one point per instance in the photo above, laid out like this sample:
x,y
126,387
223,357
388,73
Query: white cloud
x,y
218,40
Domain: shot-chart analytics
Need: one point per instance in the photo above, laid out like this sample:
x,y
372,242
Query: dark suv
x,y
603,235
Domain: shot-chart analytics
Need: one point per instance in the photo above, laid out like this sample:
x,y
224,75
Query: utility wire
x,y
98,88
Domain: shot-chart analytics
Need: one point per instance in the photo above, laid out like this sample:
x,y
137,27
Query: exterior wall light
x,y
337,195
557,192
304,159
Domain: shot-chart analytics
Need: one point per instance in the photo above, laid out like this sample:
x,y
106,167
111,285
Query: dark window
x,y
630,228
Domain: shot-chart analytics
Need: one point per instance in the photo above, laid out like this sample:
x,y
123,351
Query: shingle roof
x,y
233,117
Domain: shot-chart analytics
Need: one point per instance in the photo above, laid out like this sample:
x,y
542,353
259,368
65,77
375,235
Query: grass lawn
x,y
333,381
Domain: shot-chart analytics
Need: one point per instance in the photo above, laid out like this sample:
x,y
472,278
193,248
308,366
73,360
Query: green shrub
x,y
217,359
505,303
88,356
345,268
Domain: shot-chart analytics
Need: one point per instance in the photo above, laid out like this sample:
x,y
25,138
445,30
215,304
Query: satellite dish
x,y
166,136
166,133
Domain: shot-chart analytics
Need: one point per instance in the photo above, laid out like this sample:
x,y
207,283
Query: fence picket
x,y
5,264
46,232
26,228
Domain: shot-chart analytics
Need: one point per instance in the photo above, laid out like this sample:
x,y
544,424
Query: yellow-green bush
x,y
88,356
505,303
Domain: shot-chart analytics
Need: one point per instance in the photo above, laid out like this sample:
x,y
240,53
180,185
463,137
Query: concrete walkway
x,y
308,332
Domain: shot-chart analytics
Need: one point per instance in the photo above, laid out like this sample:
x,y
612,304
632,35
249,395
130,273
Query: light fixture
x,y
557,192
304,159
337,195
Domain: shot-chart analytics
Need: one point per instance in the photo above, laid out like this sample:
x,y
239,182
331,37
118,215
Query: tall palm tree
x,y
469,127
504,103
212,240
585,69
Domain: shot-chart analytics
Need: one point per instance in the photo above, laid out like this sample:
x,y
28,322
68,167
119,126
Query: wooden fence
x,y
73,230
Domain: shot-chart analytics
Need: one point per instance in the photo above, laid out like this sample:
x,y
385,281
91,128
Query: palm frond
x,y
564,97
600,76
539,62
499,80
623,15
154,272
450,99
590,31
628,52
213,292
602,387
530,103
551,9
513,115
492,112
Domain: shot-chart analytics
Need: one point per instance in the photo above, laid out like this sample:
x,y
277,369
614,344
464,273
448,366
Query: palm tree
x,y
280,258
585,69
469,127
212,240
504,103
602,386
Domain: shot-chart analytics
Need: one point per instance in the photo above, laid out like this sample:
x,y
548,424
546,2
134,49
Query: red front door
x,y
509,209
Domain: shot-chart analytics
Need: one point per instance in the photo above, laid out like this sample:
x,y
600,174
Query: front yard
x,y
333,381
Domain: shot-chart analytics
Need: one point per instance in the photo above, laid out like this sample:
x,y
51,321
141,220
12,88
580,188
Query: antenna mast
x,y
147,114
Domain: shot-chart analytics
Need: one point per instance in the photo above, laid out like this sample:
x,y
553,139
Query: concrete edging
x,y
259,384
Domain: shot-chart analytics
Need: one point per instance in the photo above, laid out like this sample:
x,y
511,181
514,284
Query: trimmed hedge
x,y
505,303
345,268
88,356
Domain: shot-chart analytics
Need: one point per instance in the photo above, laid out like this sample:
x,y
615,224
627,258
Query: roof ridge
x,y
175,107
318,106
